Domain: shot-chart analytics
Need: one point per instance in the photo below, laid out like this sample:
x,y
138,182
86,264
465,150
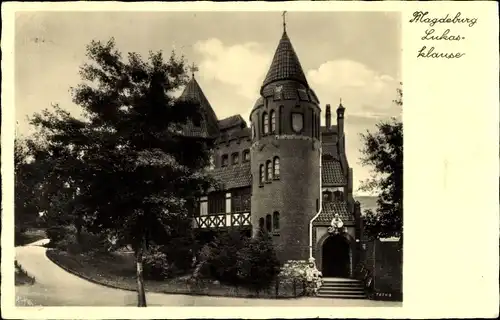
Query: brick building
x,y
283,173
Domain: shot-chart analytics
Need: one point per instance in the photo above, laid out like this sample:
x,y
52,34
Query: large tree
x,y
383,151
134,169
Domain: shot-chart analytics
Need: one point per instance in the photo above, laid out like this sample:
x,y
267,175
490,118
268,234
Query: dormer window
x,y
338,195
327,196
235,158
265,121
273,121
246,155
225,160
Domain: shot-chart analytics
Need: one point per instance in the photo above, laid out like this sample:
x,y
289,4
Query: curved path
x,y
57,287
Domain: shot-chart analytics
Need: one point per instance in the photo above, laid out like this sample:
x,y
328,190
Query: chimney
x,y
328,117
340,132
340,119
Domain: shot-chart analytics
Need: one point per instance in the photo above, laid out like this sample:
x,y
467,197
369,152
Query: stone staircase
x,y
340,288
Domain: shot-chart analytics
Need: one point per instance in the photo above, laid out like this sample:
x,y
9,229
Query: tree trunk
x,y
78,227
141,294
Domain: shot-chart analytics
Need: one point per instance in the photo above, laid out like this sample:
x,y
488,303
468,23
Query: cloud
x,y
364,92
241,66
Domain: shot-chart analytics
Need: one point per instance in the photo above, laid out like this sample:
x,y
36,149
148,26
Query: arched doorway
x,y
336,257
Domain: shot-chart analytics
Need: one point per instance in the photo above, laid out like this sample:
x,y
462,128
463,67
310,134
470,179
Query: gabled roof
x,y
234,176
232,121
332,208
209,124
285,64
332,174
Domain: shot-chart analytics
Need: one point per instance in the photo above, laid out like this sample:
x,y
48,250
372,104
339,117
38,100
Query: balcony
x,y
223,220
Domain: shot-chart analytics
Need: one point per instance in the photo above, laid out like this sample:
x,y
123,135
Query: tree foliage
x,y
383,151
258,265
132,171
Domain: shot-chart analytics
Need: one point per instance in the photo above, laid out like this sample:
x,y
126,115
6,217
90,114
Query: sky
x,y
353,56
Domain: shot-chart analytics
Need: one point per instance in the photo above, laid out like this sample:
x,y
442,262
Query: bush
x,y
58,233
156,265
258,264
294,272
221,257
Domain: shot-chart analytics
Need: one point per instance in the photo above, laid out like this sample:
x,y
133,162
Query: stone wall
x,y
384,260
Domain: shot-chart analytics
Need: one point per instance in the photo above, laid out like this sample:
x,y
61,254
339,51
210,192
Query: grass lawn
x,y
21,277
117,270
29,236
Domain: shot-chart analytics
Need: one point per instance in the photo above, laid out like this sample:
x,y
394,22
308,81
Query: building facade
x,y
284,173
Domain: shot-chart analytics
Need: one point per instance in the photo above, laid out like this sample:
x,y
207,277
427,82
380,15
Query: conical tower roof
x,y
285,64
209,124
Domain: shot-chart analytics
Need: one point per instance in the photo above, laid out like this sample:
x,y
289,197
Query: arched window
x,y
276,220
269,170
261,224
246,155
225,160
313,123
280,116
268,223
273,121
265,120
276,165
261,172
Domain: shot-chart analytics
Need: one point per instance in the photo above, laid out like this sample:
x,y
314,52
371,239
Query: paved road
x,y
56,287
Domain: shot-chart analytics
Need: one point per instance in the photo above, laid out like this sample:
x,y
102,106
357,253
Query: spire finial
x,y
193,68
340,102
284,20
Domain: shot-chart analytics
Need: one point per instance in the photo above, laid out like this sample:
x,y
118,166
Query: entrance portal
x,y
336,257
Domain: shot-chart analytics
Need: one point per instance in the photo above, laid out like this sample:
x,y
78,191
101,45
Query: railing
x,y
225,220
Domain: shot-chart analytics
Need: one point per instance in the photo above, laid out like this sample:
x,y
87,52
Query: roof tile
x,y
285,64
233,176
332,173
332,208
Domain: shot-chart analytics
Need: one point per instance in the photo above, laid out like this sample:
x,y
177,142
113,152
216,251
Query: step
x,y
341,296
342,285
342,290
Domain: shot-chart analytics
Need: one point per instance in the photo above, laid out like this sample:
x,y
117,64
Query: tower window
x,y
225,160
265,120
235,158
276,220
246,155
261,224
268,223
261,173
253,132
273,121
276,166
313,123
280,115
269,170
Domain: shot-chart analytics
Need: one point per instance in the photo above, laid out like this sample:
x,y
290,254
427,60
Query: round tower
x,y
285,155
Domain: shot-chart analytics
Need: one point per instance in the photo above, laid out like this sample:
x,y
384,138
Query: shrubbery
x,y
236,260
156,265
65,238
